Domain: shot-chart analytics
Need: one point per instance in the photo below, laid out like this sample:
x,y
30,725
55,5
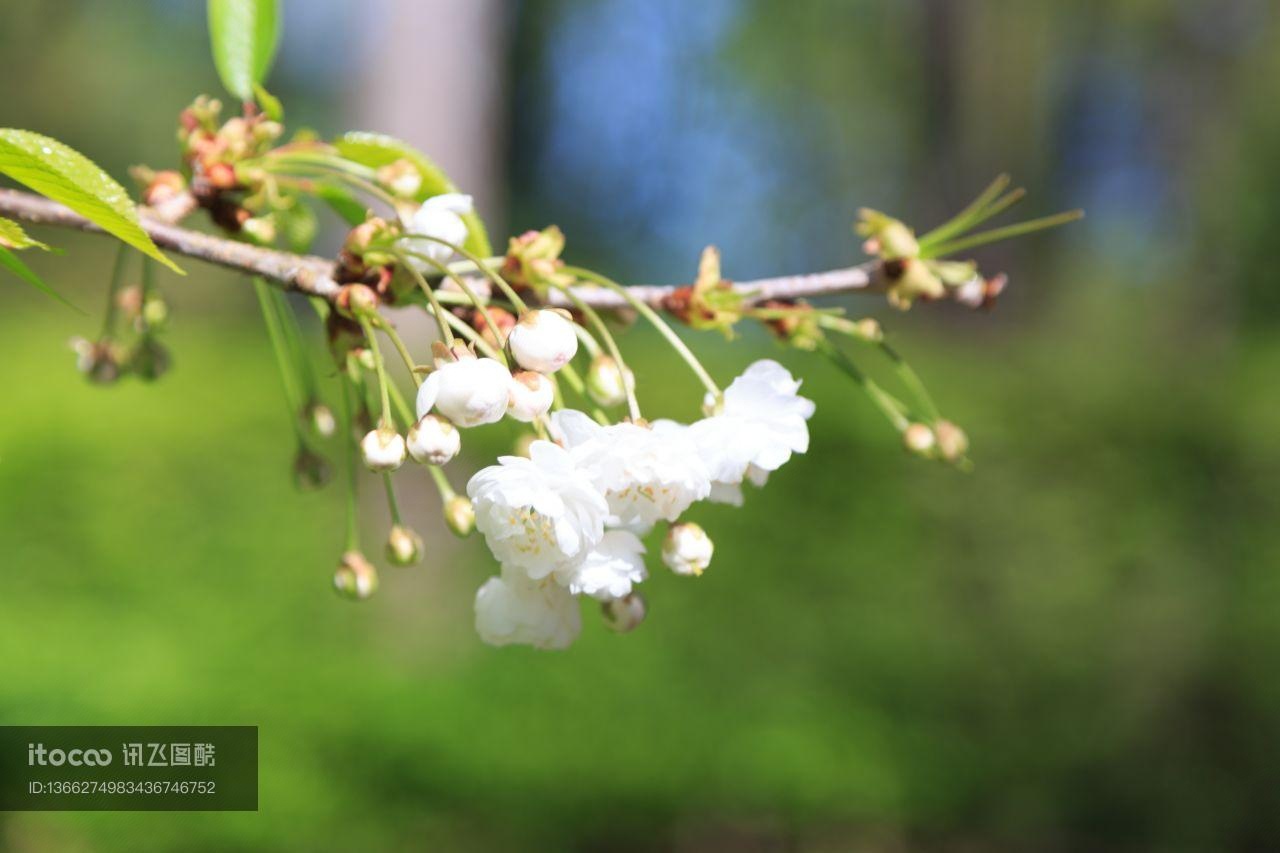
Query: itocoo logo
x,y
37,754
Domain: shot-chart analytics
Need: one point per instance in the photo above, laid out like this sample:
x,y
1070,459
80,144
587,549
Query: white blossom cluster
x,y
566,520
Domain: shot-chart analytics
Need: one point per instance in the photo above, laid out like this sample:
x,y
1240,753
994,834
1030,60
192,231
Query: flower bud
x,y
687,549
129,301
162,186
469,391
503,322
260,229
321,419
624,614
531,396
605,382
310,470
98,361
356,301
919,439
433,440
356,578
911,279
401,177
868,329
149,359
459,514
155,313
952,441
382,449
404,546
543,340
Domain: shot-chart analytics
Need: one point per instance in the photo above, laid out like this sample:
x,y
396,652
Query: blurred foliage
x,y
1073,647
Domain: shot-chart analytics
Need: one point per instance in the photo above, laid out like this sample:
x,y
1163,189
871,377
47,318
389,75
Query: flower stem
x,y
278,346
445,332
476,301
381,368
890,407
442,483
390,331
500,282
406,413
349,458
633,406
391,498
912,381
995,234
658,323
970,216
113,290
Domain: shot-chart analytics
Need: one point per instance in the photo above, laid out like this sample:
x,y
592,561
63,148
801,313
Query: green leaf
x,y
68,177
244,34
346,205
13,236
298,226
15,265
268,103
376,150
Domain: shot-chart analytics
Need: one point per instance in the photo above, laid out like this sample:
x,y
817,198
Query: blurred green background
x,y
1073,647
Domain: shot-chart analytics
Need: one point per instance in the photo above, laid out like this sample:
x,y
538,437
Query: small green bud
x,y
869,330
260,229
149,359
919,439
155,313
321,419
459,514
404,546
311,471
952,441
606,383
357,301
911,279
355,578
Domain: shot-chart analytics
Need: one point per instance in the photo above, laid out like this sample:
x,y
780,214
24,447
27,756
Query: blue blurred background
x,y
1073,647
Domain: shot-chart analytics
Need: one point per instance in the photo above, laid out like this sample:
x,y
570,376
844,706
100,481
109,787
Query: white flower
x,y
511,608
606,383
543,340
610,569
439,217
382,449
538,514
469,391
531,396
687,549
646,473
760,424
433,440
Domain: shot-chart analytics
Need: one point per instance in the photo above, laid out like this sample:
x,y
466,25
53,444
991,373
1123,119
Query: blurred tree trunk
x,y
432,75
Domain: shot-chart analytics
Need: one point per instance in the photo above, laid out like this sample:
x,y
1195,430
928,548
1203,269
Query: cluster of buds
x,y
711,302
942,440
533,261
211,151
792,321
143,315
910,276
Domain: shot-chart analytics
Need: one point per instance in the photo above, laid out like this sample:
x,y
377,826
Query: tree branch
x,y
314,275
